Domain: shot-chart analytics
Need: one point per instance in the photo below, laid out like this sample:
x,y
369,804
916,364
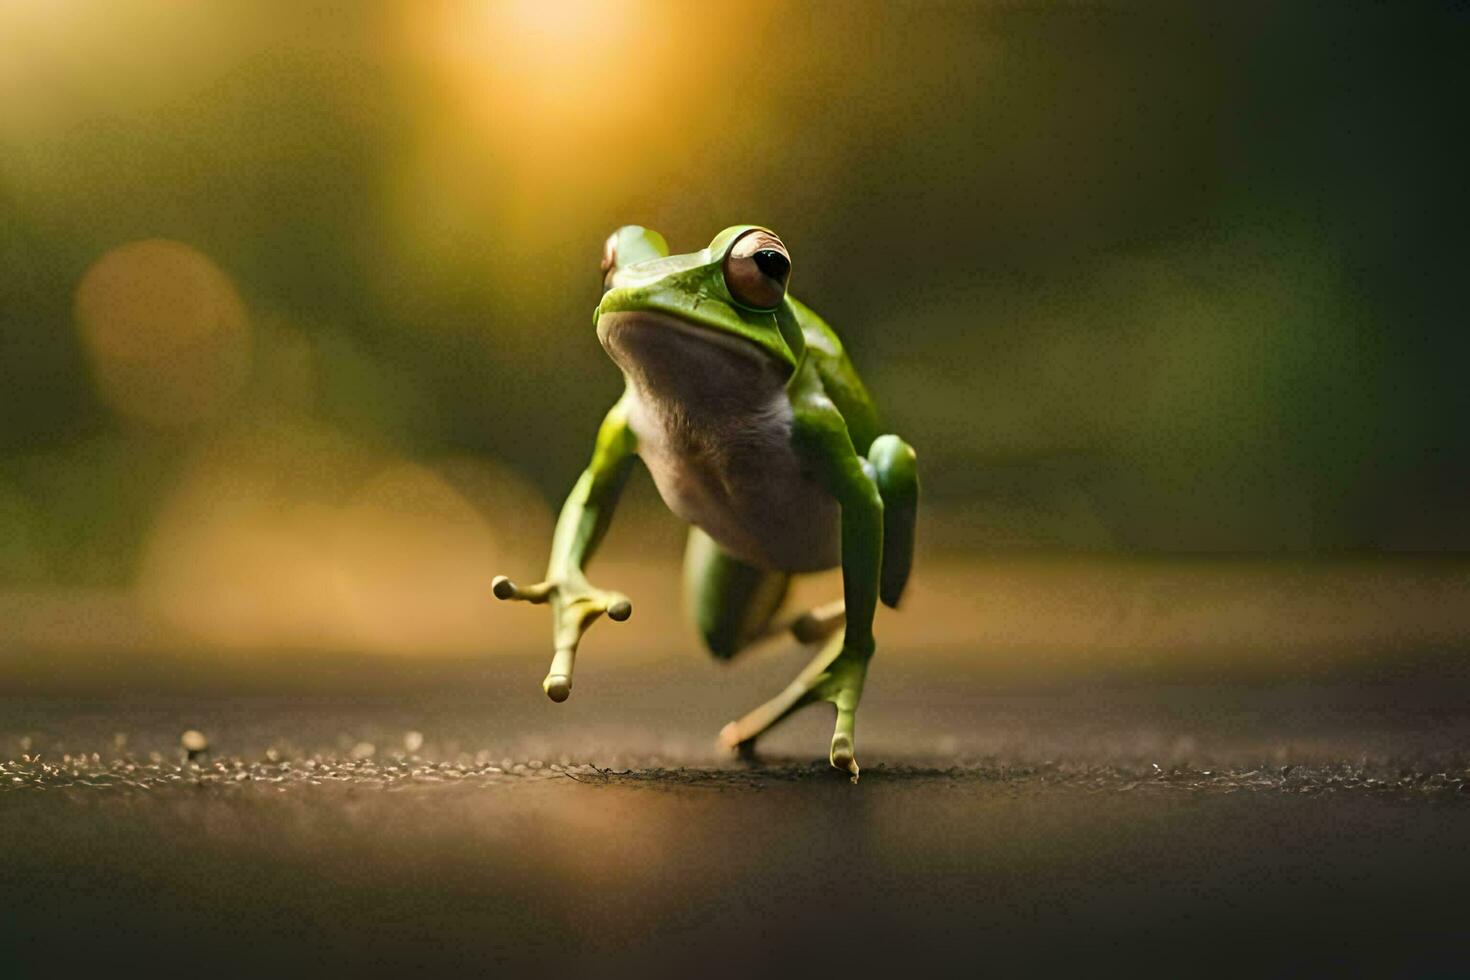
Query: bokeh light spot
x,y
166,332
412,556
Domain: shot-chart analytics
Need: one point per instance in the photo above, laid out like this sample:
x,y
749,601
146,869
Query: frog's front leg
x,y
575,603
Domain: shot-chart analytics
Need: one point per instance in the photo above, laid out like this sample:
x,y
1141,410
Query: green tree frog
x,y
759,433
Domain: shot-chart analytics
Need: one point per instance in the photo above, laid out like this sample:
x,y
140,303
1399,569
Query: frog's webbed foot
x,y
575,607
833,676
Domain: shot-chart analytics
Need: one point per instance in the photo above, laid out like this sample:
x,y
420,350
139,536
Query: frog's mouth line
x,y
612,330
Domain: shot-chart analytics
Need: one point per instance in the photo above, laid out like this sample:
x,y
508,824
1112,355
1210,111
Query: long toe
x,y
730,736
843,755
558,687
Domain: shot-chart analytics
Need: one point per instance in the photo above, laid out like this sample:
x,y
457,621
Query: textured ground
x,y
464,823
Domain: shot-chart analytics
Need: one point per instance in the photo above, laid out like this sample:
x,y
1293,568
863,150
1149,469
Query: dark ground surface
x,y
1320,826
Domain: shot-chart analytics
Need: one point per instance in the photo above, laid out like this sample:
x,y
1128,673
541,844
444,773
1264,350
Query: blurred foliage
x,y
1131,277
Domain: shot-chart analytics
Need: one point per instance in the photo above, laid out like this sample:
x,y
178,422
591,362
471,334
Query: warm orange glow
x,y
545,113
411,553
303,539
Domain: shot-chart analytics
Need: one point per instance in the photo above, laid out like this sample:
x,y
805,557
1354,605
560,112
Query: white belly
x,y
714,428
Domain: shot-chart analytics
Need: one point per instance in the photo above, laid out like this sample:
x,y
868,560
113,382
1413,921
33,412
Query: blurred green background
x,y
299,293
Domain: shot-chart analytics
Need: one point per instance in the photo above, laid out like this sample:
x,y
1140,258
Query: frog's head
x,y
732,293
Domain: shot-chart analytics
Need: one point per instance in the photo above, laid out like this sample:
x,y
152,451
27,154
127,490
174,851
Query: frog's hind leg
x,y
732,604
798,694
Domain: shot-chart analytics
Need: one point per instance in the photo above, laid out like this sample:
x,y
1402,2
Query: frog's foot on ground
x,y
828,677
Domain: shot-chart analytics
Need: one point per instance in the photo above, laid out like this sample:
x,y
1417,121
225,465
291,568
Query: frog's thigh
x,y
730,602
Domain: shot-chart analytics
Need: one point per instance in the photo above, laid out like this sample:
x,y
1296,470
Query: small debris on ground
x,y
194,743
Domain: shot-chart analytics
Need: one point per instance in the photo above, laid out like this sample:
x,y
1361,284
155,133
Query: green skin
x,y
835,436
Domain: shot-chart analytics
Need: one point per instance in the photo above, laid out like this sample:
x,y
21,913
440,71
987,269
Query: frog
x,y
758,432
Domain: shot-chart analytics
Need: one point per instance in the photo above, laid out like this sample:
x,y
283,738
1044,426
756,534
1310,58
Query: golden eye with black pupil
x,y
757,270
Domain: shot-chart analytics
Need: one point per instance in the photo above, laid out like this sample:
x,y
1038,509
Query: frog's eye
x,y
757,269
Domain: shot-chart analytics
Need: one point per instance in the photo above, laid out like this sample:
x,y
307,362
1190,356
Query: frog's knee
x,y
897,475
721,642
730,622
894,463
